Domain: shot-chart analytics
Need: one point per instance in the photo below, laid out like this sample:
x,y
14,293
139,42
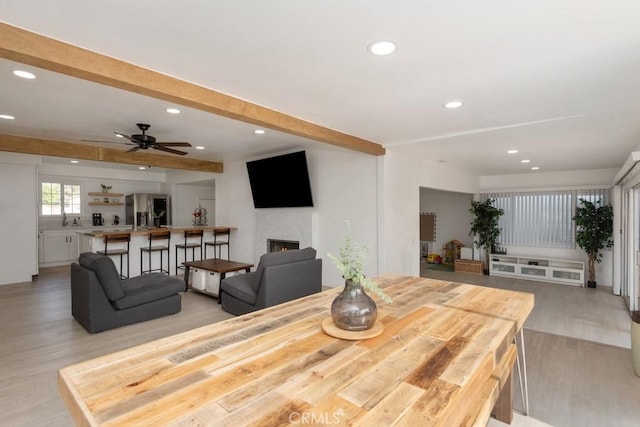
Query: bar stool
x,y
221,238
111,238
153,237
189,234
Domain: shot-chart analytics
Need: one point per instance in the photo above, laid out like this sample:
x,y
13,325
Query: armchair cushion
x,y
146,288
241,287
281,257
106,271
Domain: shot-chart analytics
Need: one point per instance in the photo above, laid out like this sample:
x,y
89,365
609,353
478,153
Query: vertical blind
x,y
542,219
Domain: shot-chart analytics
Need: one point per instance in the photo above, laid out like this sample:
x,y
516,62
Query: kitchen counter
x,y
92,240
144,231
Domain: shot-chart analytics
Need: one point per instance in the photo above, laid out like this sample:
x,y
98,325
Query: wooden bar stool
x,y
189,234
221,238
112,238
154,236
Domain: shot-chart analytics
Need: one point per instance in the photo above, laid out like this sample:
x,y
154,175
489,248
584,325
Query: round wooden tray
x,y
330,328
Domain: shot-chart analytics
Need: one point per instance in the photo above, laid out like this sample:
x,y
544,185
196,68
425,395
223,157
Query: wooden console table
x,y
445,358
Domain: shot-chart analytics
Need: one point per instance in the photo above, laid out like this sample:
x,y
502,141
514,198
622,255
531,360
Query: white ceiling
x,y
555,79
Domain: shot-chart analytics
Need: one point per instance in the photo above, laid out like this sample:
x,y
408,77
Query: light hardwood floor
x,y
574,379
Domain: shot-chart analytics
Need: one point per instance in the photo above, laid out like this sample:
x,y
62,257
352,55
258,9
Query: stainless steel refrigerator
x,y
148,210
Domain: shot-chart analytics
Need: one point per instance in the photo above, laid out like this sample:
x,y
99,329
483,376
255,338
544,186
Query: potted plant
x,y
353,309
157,218
485,226
594,226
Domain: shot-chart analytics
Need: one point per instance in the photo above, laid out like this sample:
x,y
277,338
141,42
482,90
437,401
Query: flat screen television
x,y
280,181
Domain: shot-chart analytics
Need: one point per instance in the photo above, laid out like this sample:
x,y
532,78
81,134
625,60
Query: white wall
x,y
542,181
343,184
18,218
404,174
185,199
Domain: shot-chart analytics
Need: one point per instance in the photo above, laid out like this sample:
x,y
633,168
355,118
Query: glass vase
x,y
353,309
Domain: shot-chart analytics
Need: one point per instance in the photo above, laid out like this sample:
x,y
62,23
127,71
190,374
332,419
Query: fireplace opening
x,y
274,245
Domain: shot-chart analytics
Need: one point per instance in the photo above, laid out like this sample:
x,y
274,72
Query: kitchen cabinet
x,y
59,247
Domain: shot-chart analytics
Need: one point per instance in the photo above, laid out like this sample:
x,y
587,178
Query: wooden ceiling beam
x,y
29,48
48,147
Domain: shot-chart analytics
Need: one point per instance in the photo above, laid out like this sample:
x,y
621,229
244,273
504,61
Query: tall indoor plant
x,y
485,226
594,226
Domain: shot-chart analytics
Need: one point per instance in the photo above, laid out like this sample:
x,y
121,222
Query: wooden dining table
x,y
444,358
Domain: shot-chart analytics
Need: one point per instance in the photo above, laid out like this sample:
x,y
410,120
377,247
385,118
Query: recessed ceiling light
x,y
119,136
24,74
512,152
382,48
525,161
453,104
141,168
199,147
535,168
6,117
73,161
173,111
259,131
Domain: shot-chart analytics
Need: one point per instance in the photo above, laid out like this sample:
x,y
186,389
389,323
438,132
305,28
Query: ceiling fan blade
x,y
168,150
175,144
134,149
106,142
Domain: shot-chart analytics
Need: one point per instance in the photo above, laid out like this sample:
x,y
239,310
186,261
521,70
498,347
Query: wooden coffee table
x,y
216,265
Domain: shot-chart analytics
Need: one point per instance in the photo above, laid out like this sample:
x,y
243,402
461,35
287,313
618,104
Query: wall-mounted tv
x,y
280,181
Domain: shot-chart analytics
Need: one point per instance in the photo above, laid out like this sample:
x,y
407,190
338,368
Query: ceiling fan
x,y
144,142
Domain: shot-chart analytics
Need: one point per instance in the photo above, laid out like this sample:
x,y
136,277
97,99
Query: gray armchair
x,y
280,277
100,300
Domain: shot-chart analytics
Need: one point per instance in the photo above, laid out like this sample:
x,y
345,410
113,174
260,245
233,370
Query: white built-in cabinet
x,y
542,269
59,247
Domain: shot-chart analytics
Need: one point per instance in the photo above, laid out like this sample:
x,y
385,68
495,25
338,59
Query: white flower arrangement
x,y
350,263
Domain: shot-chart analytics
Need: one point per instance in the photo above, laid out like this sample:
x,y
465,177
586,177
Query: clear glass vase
x,y
353,309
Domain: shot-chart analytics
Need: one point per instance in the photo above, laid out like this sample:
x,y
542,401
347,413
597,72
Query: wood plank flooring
x,y
574,379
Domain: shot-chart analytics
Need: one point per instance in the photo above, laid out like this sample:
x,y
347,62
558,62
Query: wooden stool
x,y
221,238
189,234
154,236
111,238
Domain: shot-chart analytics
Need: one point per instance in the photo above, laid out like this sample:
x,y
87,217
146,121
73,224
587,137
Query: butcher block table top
x,y
442,360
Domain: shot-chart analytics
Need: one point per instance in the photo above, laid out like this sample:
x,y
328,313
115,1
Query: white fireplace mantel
x,y
297,224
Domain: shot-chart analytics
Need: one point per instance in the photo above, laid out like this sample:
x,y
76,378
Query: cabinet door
x,y
73,248
56,247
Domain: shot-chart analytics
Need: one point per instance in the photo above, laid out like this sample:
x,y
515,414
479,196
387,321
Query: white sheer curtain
x,y
543,218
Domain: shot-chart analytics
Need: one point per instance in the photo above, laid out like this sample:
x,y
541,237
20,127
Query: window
x,y
542,219
56,196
